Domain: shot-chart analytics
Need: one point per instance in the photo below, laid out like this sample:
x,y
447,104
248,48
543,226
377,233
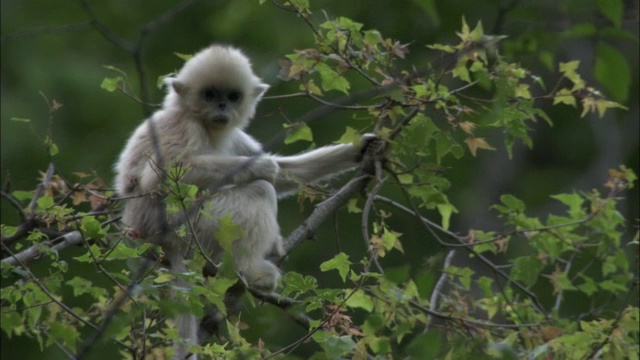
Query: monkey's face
x,y
218,88
219,106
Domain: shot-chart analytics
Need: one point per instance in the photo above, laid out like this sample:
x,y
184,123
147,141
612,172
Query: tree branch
x,y
68,240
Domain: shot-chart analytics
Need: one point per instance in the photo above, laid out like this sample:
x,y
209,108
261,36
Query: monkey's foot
x,y
264,277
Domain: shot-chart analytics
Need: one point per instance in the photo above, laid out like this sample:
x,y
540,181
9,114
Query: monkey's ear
x,y
179,88
259,90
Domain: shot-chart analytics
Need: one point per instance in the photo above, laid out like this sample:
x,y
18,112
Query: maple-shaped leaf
x,y
475,143
467,127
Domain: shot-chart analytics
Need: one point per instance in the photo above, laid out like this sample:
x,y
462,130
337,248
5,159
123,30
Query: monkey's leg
x,y
254,208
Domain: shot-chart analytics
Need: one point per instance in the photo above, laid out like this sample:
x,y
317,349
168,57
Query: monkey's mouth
x,y
219,121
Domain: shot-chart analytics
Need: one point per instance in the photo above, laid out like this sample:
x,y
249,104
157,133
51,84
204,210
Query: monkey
x,y
201,126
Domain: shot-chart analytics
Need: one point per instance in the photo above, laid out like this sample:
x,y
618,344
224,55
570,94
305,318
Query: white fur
x,y
187,135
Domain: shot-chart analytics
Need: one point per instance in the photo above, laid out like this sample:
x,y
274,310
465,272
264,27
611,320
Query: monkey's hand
x,y
372,146
265,168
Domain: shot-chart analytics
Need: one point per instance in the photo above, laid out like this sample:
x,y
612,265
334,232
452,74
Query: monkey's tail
x,y
186,323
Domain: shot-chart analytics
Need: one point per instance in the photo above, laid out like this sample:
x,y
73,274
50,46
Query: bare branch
x,y
433,301
68,240
324,210
106,31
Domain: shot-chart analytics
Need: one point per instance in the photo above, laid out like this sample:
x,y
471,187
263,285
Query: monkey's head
x,y
218,88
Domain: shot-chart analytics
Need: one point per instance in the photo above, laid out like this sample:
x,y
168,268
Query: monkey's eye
x,y
208,95
234,96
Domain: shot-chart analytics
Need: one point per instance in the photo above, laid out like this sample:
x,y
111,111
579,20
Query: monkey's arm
x,y
313,166
219,170
240,165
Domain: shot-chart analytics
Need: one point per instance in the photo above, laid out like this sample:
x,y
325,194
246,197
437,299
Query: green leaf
x,y
91,228
613,287
612,10
301,5
380,345
65,333
348,24
445,211
464,33
589,286
564,96
602,105
297,132
22,195
93,249
352,206
522,90
478,32
216,289
543,115
463,275
331,80
311,87
361,300
336,346
575,203
82,286
609,266
390,239
372,37
612,72
124,252
485,284
581,30
45,202
111,84
297,284
12,323
444,145
340,262
373,324
350,136
510,204
427,345
8,230
227,232
461,72
163,277
23,120
526,269
446,48
79,285
184,57
569,70
51,146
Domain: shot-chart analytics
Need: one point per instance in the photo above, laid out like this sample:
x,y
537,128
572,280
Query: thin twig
x,y
365,224
44,185
433,301
14,202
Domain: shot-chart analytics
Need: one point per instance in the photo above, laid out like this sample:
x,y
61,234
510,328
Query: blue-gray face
x,y
221,103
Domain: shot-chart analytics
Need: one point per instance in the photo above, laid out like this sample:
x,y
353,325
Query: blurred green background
x,y
49,50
